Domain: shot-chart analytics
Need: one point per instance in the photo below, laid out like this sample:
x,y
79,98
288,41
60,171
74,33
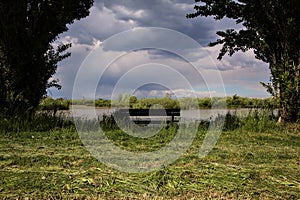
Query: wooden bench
x,y
146,116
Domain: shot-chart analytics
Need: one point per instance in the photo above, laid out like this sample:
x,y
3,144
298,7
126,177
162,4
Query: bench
x,y
146,116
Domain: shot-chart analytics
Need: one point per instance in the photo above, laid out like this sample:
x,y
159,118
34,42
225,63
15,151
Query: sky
x,y
149,48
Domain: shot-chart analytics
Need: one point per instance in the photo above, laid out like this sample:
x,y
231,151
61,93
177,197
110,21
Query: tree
x,y
132,100
271,29
28,59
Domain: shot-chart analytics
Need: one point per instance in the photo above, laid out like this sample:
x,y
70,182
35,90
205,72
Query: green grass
x,y
42,121
245,164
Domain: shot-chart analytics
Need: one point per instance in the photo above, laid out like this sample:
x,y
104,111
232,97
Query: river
x,y
89,112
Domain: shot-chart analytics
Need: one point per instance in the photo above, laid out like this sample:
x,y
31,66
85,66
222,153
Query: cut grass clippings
x,y
242,165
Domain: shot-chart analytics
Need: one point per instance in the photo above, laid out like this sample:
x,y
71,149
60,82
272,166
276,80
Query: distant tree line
x,y
49,103
234,101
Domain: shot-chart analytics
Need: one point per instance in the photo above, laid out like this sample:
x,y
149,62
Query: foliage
x,y
271,29
183,103
133,102
103,103
257,121
48,103
108,123
243,165
28,56
43,121
231,122
86,102
89,102
207,102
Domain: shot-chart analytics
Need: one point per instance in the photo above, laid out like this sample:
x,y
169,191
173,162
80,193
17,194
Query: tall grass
x,y
259,121
254,121
242,165
42,121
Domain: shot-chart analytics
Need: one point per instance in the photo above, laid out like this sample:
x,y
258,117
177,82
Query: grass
x,y
246,163
42,121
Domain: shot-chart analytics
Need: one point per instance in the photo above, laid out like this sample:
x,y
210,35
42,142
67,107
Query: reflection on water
x,y
89,112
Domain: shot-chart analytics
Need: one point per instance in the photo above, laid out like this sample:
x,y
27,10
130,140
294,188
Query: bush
x,y
232,122
255,121
54,104
259,121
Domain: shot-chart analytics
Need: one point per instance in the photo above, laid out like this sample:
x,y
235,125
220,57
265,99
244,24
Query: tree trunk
x,y
288,92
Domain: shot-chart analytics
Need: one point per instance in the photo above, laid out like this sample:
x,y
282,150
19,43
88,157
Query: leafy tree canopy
x,y
27,58
271,29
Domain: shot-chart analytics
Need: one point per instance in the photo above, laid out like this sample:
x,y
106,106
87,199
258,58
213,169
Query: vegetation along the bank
x,y
254,158
234,101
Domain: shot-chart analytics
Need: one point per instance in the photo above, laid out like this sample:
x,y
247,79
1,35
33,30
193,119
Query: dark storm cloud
x,y
110,17
164,13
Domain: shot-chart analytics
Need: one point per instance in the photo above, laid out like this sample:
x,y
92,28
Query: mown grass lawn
x,y
243,165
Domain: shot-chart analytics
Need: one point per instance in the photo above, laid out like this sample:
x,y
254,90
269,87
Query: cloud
x,y
109,17
68,68
241,72
192,93
100,25
162,13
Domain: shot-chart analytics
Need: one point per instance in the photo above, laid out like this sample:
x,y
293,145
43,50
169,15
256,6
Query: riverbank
x,y
186,114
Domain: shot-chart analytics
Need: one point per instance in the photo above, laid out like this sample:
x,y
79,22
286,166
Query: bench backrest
x,y
149,112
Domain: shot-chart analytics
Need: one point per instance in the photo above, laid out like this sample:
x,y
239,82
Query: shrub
x,y
54,104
